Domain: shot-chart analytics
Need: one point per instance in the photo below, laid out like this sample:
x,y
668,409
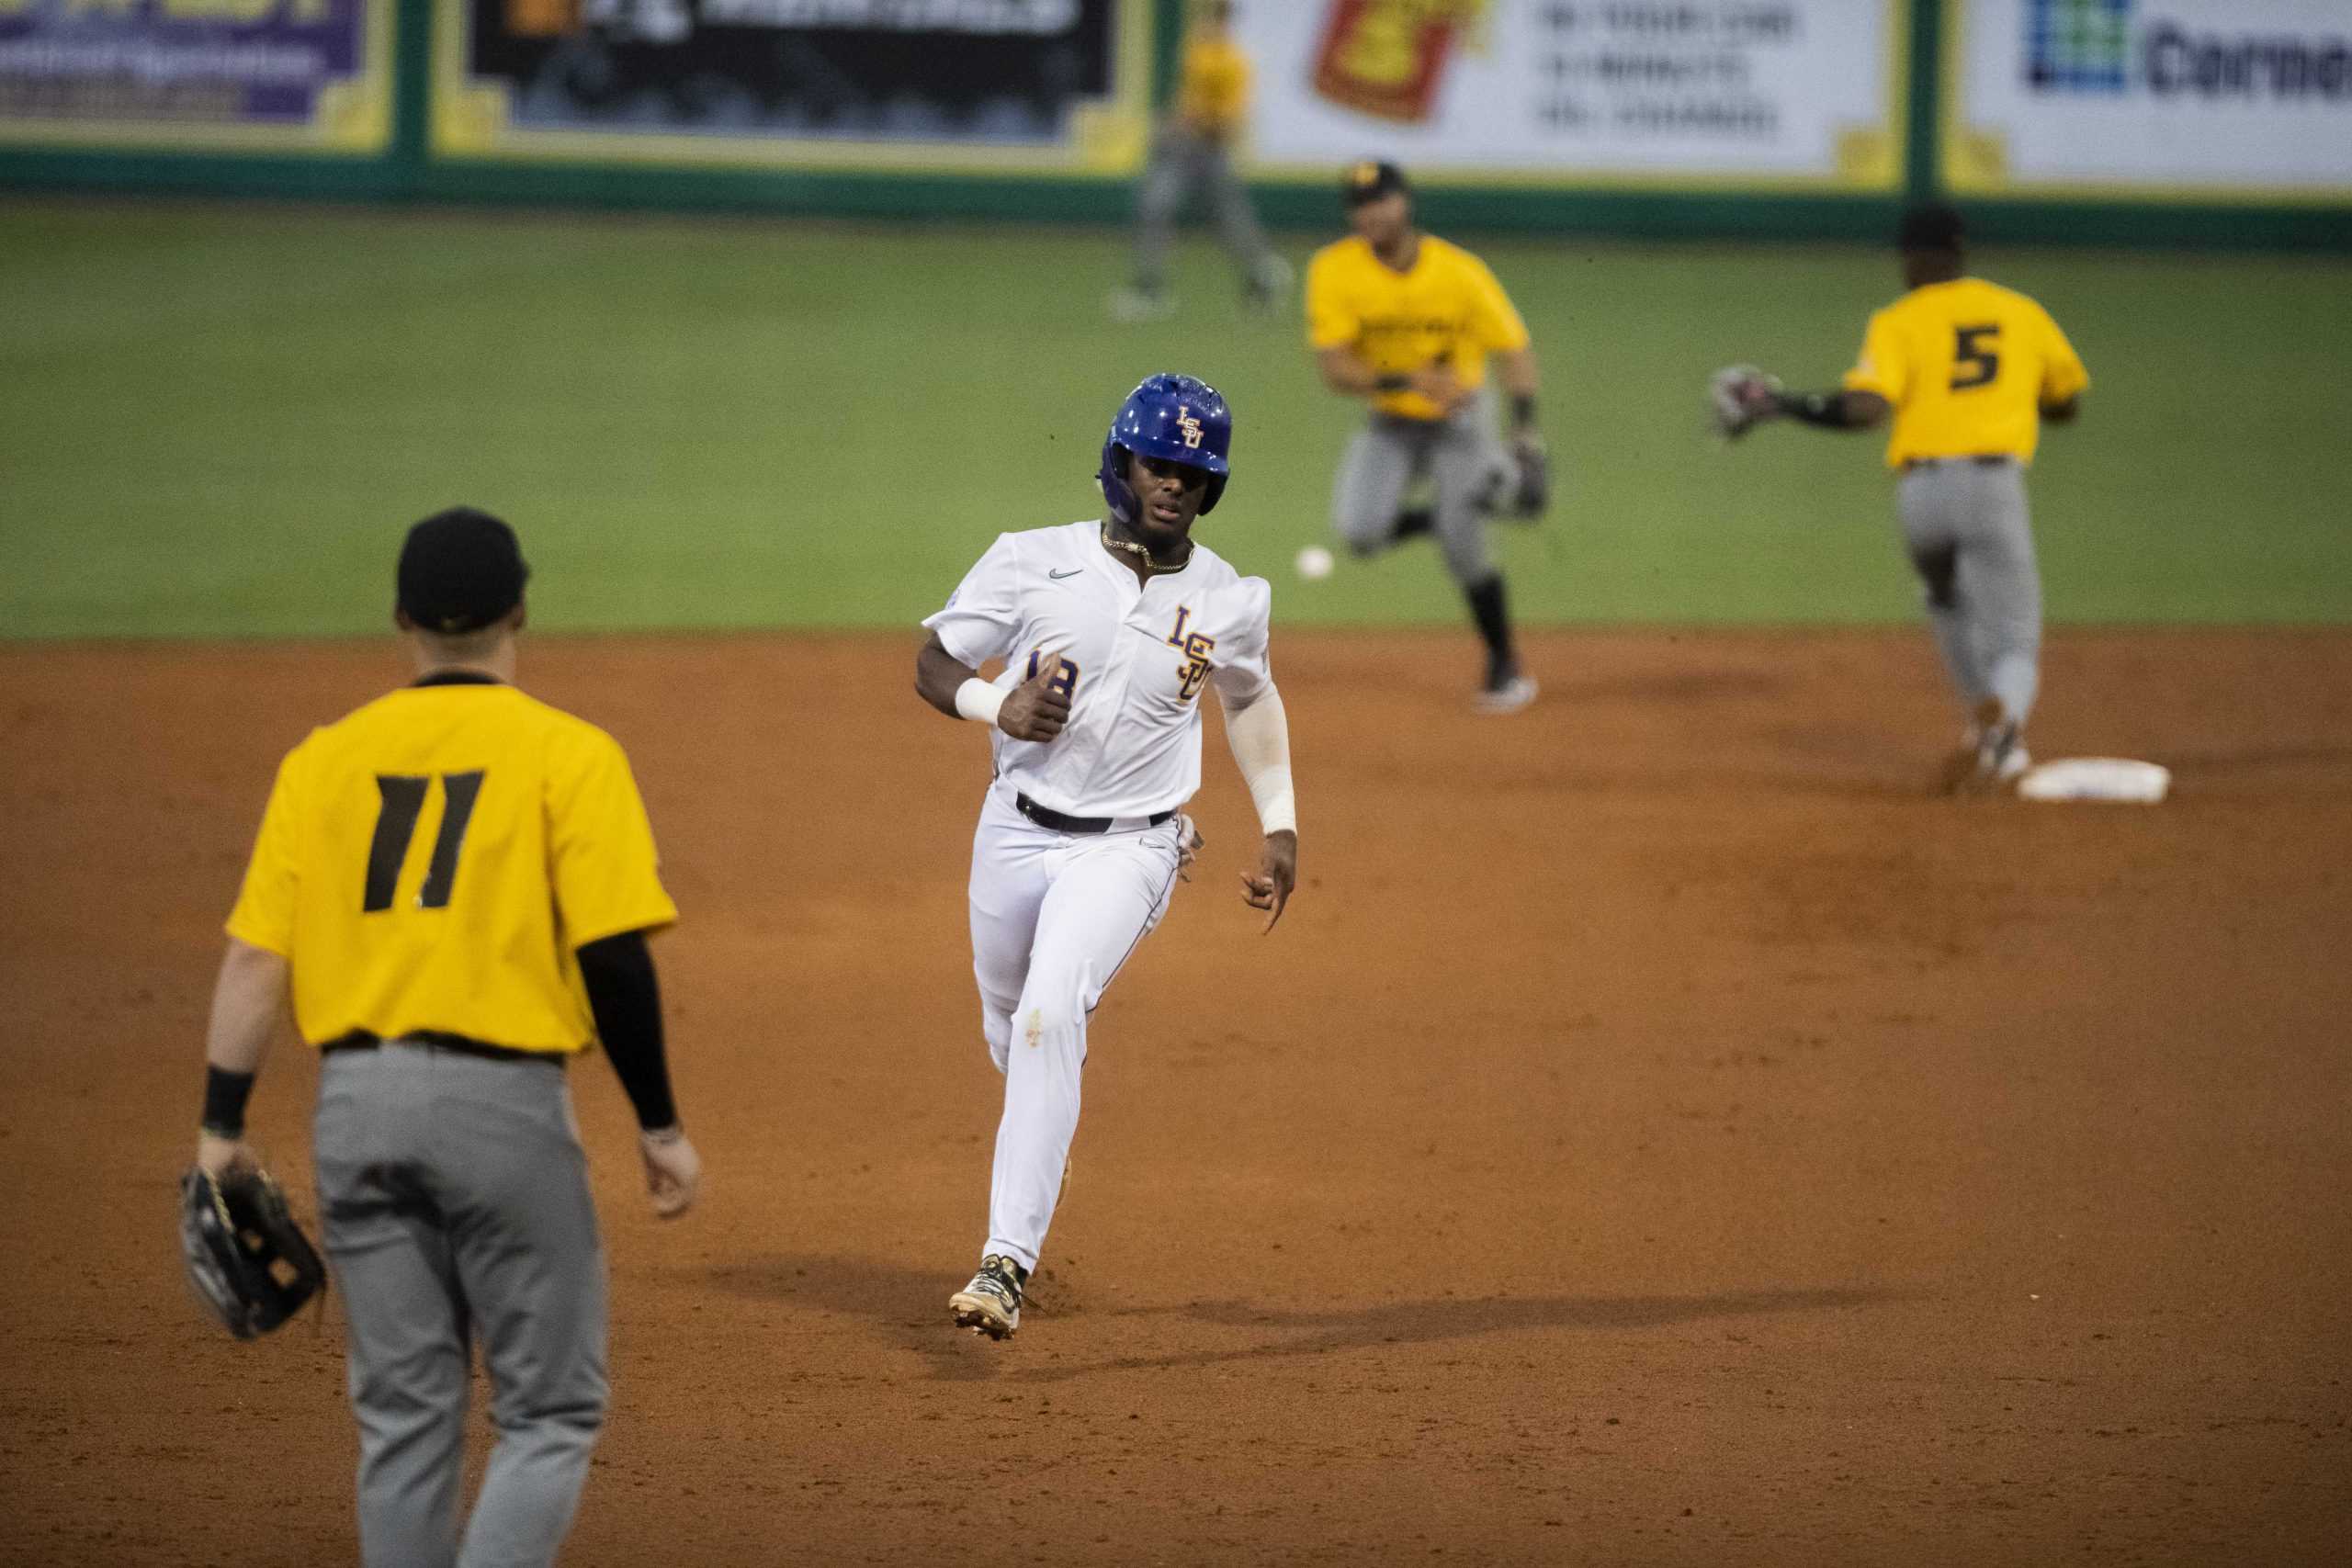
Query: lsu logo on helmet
x,y
1182,419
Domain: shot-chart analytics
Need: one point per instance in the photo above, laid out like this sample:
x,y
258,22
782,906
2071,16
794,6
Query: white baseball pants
x,y
1054,915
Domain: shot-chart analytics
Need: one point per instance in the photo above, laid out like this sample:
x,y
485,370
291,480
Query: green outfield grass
x,y
215,421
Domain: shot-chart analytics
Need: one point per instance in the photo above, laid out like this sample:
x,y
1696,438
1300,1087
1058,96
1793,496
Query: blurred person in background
x,y
1192,154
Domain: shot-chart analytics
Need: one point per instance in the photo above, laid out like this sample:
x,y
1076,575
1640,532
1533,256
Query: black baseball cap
x,y
461,570
1369,181
1932,227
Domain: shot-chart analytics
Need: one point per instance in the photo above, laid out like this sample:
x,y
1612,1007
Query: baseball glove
x,y
1738,396
1531,494
247,1260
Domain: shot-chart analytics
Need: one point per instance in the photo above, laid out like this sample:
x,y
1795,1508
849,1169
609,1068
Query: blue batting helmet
x,y
1180,418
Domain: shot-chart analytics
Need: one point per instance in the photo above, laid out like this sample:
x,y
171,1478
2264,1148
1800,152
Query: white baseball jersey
x,y
1133,656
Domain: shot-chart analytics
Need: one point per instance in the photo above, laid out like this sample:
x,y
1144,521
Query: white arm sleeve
x,y
1260,736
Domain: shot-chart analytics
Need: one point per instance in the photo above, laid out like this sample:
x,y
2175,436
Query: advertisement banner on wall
x,y
1057,86
2152,99
1800,92
275,76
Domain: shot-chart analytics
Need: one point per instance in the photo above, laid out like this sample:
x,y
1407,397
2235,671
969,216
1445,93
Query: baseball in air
x,y
1315,563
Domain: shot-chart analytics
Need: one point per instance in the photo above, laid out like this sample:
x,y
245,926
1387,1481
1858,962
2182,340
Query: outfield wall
x,y
2173,123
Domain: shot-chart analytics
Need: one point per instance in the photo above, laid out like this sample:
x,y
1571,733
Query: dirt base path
x,y
1660,1133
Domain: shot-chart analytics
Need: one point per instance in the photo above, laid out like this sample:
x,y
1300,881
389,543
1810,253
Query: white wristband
x,y
978,701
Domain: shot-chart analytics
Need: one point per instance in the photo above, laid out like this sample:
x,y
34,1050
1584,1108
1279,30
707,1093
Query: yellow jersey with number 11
x,y
1968,366
432,860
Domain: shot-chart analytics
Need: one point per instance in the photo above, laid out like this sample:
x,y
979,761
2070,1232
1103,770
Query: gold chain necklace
x,y
1151,568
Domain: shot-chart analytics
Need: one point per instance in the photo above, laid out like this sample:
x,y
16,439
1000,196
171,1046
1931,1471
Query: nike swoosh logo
x,y
1073,571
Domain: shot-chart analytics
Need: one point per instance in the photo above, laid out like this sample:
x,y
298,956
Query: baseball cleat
x,y
1506,691
1992,754
990,1304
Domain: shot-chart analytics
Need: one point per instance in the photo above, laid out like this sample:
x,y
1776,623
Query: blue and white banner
x,y
2188,98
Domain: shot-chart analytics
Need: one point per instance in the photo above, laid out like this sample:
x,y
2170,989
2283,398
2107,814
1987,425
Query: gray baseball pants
x,y
1184,161
454,1195
1966,529
1462,457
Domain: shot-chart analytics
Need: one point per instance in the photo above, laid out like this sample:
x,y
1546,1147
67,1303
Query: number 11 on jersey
x,y
404,802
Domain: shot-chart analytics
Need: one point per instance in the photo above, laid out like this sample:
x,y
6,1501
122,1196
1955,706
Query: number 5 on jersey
x,y
1976,356
1064,683
403,803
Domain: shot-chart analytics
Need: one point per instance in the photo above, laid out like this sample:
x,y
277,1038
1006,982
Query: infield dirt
x,y
1660,1133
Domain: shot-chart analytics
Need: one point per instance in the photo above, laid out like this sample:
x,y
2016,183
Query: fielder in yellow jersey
x,y
1968,371
458,782
1443,311
1408,322
454,885
1192,154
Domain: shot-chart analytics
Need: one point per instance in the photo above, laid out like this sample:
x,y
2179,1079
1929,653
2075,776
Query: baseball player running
x,y
1407,321
1969,371
1111,629
1194,152
454,884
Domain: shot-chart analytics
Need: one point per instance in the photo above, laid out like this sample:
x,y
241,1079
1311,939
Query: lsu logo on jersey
x,y
1194,647
1188,424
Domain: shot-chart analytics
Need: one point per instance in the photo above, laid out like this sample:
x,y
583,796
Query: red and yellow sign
x,y
1388,58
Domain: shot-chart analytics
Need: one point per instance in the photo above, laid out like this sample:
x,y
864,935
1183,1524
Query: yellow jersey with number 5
x,y
1968,366
432,860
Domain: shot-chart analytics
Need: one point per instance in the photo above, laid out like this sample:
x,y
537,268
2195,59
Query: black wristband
x,y
1523,410
1827,409
1392,383
224,1101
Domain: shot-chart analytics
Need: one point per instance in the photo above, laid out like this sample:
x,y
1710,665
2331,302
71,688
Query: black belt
x,y
1047,817
1981,459
455,1045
